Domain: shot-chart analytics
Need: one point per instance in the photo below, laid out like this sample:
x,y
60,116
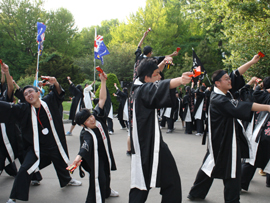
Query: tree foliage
x,y
224,34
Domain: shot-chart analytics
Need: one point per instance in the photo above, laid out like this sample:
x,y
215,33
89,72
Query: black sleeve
x,y
234,108
261,96
19,94
86,145
158,95
138,52
9,110
73,90
237,81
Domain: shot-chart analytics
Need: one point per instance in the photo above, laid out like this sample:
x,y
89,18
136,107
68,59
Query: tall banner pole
x,y
95,60
37,67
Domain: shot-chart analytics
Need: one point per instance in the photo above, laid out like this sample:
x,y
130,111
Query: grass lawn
x,y
66,105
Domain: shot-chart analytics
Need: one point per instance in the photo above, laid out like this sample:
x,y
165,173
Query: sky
x,y
89,13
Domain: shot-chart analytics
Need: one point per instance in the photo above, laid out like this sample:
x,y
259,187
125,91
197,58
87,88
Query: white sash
x,y
110,115
36,136
188,116
253,142
209,162
156,152
96,160
168,112
125,111
7,143
78,108
198,114
137,177
105,142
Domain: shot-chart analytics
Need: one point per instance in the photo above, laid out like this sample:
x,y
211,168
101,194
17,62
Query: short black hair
x,y
82,116
30,86
146,68
147,50
266,83
202,88
215,74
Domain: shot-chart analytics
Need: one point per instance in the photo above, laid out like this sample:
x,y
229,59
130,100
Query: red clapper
x,y
261,54
258,80
178,49
101,71
1,62
72,167
196,72
45,79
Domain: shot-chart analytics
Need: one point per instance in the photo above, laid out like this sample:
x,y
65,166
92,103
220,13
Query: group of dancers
x,y
237,127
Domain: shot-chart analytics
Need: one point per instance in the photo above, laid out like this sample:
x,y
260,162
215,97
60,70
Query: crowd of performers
x,y
232,113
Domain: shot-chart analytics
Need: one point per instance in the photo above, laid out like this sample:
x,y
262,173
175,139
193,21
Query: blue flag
x,y
41,28
100,48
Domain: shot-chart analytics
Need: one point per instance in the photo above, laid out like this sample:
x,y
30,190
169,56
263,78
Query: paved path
x,y
186,149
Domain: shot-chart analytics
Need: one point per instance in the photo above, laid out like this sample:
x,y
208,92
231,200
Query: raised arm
x,y
5,70
242,69
16,85
69,80
2,77
175,53
162,64
53,81
103,91
141,41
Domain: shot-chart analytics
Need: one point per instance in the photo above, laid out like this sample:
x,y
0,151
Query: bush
x,y
111,79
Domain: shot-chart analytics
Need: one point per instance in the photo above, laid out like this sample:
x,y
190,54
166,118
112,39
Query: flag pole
x,y
95,60
208,79
37,68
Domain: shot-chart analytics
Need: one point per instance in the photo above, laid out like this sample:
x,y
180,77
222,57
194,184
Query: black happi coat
x,y
261,141
200,97
87,151
77,101
188,103
10,135
122,97
223,158
148,97
21,113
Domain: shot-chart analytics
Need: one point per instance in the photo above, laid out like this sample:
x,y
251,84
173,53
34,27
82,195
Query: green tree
x,y
241,29
120,61
61,32
18,20
60,67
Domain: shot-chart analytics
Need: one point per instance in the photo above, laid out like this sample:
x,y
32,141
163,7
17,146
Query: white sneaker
x,y
111,132
123,128
74,182
114,193
11,201
198,134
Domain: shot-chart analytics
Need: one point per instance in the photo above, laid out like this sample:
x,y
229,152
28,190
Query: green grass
x,y
66,105
65,116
